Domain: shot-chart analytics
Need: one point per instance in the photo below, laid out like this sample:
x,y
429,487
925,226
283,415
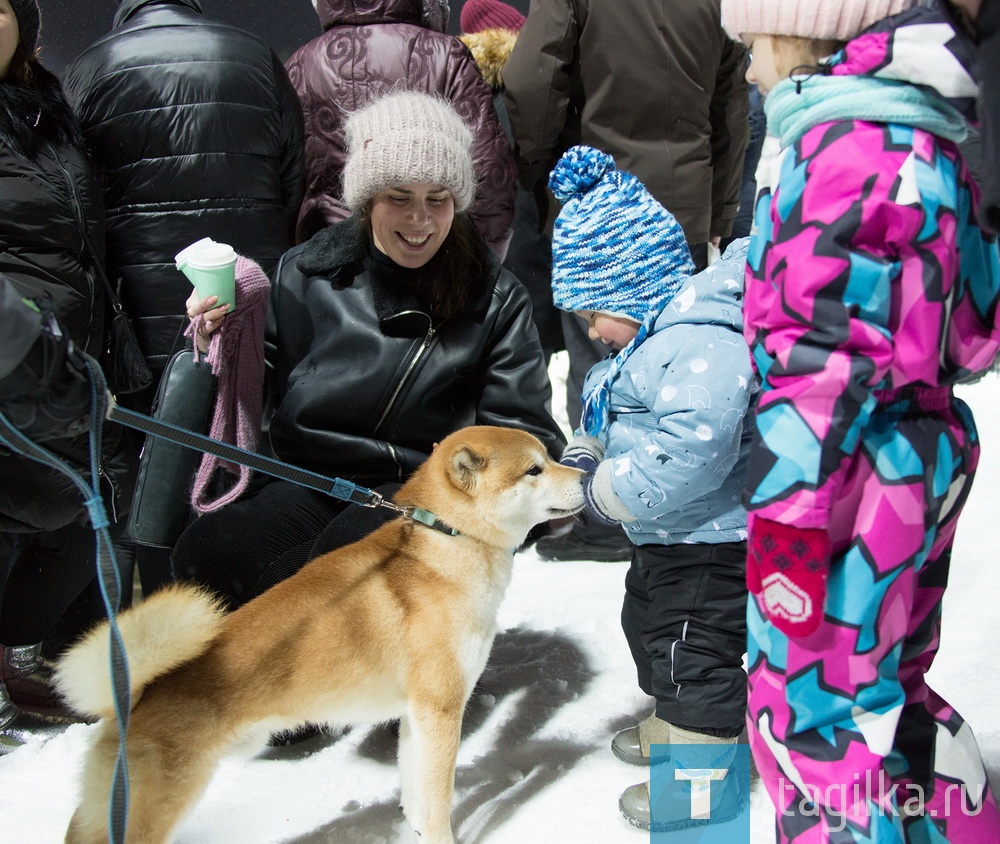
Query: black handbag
x,y
124,364
161,505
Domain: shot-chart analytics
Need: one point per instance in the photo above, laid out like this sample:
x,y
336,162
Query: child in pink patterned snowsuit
x,y
870,292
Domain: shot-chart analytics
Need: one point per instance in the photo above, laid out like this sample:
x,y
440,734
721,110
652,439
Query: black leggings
x,y
248,546
684,617
41,575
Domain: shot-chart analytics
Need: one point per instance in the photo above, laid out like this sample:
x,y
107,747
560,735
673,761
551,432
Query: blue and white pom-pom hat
x,y
615,249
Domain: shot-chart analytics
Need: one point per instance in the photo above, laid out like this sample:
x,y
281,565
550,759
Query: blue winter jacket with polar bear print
x,y
679,425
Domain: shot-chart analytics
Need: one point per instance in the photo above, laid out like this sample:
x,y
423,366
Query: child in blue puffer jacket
x,y
664,439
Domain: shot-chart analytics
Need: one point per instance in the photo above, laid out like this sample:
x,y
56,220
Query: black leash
x,y
337,487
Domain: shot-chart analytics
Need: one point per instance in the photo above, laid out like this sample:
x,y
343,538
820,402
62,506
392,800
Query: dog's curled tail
x,y
171,627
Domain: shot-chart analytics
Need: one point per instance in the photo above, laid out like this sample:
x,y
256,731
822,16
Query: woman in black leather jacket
x,y
386,332
51,249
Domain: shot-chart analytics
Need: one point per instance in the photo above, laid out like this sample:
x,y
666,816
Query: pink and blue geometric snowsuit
x,y
870,292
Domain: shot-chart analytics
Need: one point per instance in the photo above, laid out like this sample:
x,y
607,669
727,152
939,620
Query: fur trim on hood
x,y
491,48
31,115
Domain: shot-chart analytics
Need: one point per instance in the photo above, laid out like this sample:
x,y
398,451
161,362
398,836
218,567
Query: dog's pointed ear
x,y
466,464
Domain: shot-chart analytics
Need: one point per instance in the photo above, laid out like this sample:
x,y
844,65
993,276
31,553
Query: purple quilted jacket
x,y
367,48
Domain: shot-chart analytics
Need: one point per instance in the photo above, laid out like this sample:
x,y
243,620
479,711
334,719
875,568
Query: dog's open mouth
x,y
557,512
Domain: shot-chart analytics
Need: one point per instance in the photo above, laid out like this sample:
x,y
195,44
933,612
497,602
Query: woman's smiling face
x,y
410,222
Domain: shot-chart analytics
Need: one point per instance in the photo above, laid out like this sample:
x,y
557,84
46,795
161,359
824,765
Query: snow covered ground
x,y
534,764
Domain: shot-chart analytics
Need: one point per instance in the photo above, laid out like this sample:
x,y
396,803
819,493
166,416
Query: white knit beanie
x,y
837,20
404,138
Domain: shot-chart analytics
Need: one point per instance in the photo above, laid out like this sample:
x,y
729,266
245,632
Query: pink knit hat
x,y
478,15
838,20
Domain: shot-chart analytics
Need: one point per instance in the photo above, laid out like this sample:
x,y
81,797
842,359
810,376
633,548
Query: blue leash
x,y
108,577
337,487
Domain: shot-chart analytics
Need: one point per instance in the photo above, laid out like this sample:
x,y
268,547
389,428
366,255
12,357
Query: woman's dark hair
x,y
456,277
20,71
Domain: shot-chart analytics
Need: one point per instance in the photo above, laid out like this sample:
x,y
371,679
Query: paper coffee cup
x,y
211,268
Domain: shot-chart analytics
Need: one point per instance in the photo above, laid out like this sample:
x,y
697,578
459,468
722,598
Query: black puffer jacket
x,y
51,241
51,209
21,328
366,381
368,48
195,131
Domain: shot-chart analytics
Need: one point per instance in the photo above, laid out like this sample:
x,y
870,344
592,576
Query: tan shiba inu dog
x,y
397,625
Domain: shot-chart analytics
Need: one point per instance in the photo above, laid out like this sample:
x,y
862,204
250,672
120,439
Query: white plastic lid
x,y
205,253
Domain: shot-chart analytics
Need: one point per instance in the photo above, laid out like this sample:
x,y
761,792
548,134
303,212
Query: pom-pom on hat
x,y
836,20
28,23
478,15
615,249
404,138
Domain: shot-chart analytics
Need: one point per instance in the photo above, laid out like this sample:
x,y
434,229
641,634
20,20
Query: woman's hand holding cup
x,y
212,312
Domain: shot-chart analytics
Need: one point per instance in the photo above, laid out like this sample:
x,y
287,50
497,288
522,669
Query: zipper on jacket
x,y
395,459
102,473
87,251
411,366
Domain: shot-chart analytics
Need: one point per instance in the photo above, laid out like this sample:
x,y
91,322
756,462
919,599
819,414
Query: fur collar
x,y
491,48
342,250
32,116
332,248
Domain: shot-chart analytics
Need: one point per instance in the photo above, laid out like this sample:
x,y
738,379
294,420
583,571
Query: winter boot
x,y
632,744
18,728
634,801
28,679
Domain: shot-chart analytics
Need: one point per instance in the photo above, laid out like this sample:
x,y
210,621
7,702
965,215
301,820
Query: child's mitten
x,y
583,452
600,499
788,567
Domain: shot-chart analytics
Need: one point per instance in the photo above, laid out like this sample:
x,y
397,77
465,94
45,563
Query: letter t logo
x,y
701,788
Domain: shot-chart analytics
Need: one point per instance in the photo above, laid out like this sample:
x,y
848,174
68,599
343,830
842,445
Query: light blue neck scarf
x,y
793,107
596,403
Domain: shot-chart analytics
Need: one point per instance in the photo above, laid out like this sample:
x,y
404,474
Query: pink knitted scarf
x,y
236,355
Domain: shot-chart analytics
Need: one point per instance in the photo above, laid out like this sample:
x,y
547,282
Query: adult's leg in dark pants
x,y
684,617
89,607
48,574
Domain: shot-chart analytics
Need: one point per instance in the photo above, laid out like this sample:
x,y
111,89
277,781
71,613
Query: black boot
x,y
28,679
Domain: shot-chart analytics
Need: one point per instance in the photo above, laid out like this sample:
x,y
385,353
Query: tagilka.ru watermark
x,y
867,796
699,794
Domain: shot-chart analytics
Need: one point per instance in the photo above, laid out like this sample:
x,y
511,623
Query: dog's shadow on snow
x,y
530,675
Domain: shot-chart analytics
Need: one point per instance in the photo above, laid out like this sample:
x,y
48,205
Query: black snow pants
x,y
684,616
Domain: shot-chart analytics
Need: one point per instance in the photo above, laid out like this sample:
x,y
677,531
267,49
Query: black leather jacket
x,y
366,382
